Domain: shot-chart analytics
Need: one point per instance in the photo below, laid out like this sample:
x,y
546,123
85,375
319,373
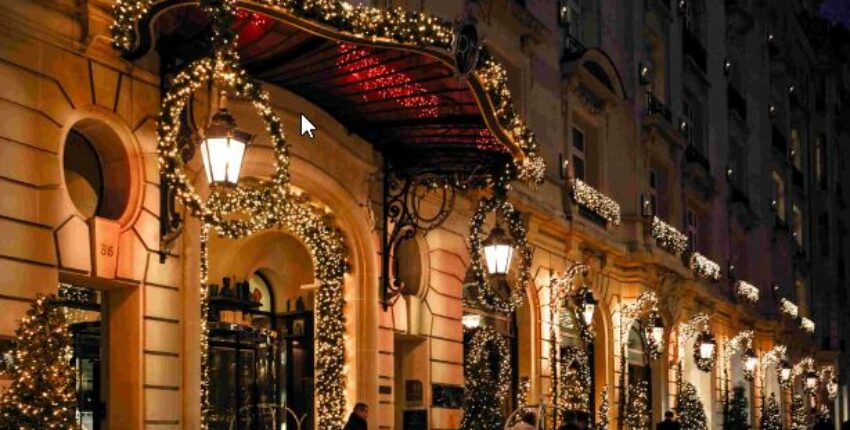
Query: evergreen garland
x,y
771,418
736,415
42,394
602,423
798,413
690,408
637,408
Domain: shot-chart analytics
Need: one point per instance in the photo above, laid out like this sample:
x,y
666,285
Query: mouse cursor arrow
x,y
307,127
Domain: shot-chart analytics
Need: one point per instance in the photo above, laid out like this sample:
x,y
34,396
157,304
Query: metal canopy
x,y
411,106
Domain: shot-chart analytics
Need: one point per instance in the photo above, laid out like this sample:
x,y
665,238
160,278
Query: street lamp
x,y
223,148
589,307
784,372
707,346
657,331
751,360
811,381
498,251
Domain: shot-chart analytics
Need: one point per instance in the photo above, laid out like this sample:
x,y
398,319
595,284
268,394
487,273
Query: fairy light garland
x,y
575,379
704,267
697,328
741,342
206,407
393,25
487,295
807,325
595,201
828,377
747,291
644,310
668,237
602,415
560,289
772,358
789,308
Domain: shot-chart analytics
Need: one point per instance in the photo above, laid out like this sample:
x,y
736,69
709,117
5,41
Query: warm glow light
x,y
498,251
223,149
811,381
589,308
750,360
784,372
706,349
471,321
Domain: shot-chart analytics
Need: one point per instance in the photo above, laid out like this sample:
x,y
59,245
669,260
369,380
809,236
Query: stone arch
x,y
599,64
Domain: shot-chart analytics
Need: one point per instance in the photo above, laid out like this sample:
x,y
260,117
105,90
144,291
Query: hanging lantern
x,y
589,305
707,346
811,381
656,332
751,360
223,148
471,321
498,251
784,373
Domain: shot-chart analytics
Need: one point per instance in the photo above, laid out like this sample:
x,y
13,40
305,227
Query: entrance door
x,y
87,364
297,369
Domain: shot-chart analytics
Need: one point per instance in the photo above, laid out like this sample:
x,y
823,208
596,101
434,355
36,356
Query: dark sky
x,y
836,12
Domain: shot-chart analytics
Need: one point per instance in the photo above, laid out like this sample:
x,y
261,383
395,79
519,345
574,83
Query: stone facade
x,y
692,142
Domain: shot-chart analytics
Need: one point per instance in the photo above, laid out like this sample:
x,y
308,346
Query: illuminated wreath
x,y
478,356
704,364
488,296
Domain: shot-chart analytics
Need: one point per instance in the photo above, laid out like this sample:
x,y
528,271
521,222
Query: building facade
x,y
695,159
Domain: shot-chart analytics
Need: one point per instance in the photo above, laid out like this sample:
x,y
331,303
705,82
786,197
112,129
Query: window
x,y
692,229
778,195
798,224
738,164
823,234
692,112
579,157
694,16
658,193
796,149
580,19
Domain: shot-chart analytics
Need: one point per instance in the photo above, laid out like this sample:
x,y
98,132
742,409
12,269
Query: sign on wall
x,y
104,247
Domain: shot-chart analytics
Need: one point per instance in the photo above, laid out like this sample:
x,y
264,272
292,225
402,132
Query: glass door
x,y
87,364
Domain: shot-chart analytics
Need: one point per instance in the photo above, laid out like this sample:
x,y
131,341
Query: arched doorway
x,y
262,334
638,364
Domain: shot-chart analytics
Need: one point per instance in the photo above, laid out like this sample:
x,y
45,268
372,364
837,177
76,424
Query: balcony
x,y
693,48
573,49
668,237
736,102
594,205
780,144
655,106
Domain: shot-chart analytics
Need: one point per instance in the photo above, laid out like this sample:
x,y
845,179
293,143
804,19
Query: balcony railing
x,y
593,204
737,103
779,142
693,48
655,106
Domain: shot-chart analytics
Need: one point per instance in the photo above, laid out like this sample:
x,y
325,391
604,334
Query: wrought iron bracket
x,y
406,213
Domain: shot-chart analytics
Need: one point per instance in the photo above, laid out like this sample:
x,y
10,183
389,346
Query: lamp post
x,y
498,252
223,148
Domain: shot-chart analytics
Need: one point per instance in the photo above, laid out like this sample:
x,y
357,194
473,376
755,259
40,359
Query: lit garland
x,y
697,328
789,308
487,296
205,330
576,380
827,376
523,392
668,237
704,267
394,26
773,358
747,291
484,391
807,325
595,201
741,342
602,416
42,394
560,289
645,310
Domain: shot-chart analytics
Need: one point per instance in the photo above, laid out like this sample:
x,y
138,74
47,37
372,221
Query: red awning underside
x,y
411,106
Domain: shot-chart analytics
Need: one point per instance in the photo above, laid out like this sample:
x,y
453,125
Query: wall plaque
x,y
416,420
104,247
413,391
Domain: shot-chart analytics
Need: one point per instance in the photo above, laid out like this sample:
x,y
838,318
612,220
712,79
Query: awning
x,y
404,96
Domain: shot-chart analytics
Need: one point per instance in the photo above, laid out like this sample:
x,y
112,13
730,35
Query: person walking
x,y
358,417
528,422
669,423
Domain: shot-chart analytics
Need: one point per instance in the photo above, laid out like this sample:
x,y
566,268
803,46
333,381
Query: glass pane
x,y
223,387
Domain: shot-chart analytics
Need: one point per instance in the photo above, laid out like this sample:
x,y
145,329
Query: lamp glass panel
x,y
498,258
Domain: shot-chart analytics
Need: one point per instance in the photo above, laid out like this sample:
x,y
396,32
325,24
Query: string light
x,y
705,347
807,325
788,308
747,291
485,392
741,342
645,310
704,267
637,407
575,378
771,419
602,416
668,237
595,201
